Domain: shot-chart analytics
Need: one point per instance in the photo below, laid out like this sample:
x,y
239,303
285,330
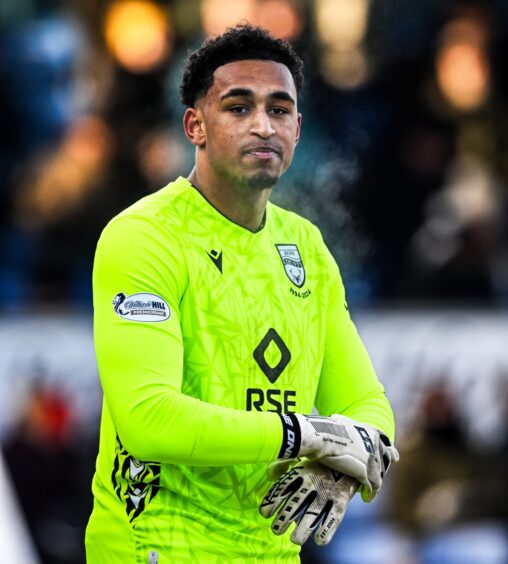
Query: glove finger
x,y
331,522
375,474
269,505
388,451
392,454
368,494
328,527
271,502
314,515
279,492
296,505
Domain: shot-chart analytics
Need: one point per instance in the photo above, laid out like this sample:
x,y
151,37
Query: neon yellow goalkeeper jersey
x,y
204,332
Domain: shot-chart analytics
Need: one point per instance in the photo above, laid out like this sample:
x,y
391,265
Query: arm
x,y
141,363
345,451
348,384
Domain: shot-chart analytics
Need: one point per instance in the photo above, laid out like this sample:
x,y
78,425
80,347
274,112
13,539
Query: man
x,y
219,320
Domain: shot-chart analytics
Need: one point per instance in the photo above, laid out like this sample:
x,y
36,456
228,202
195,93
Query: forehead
x,y
256,75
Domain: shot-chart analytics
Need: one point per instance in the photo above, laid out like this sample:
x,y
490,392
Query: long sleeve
x,y
140,360
348,383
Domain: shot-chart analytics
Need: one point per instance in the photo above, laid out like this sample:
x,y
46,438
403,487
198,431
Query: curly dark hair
x,y
237,43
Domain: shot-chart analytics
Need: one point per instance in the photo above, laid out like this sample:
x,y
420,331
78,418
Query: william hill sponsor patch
x,y
141,307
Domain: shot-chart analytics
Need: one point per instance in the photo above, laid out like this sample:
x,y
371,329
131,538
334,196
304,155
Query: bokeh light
x,y
341,28
341,23
463,75
58,185
280,17
137,33
217,15
462,66
345,69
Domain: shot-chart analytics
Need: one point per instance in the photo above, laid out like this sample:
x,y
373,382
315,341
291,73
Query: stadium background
x,y
402,164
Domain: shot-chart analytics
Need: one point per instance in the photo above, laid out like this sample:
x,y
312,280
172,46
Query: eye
x,y
279,111
238,109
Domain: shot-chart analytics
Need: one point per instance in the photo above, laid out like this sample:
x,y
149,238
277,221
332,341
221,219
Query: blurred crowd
x,y
50,459
402,163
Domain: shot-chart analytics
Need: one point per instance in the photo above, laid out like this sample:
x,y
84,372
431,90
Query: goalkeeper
x,y
220,320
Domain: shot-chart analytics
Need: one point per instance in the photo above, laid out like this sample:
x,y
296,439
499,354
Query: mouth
x,y
263,151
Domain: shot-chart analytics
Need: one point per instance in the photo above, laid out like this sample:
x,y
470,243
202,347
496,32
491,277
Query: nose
x,y
261,125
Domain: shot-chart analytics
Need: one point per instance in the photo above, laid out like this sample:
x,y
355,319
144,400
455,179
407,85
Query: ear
x,y
298,128
194,126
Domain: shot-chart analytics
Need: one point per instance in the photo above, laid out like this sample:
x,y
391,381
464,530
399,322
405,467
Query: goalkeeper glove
x,y
342,444
312,494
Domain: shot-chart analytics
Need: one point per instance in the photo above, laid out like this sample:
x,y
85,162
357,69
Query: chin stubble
x,y
260,181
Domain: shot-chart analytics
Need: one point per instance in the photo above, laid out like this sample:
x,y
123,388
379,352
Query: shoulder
x,y
141,245
158,215
148,232
294,224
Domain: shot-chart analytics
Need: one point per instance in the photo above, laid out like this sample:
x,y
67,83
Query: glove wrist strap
x,y
291,436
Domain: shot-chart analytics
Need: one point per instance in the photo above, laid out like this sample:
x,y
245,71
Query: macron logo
x,y
216,258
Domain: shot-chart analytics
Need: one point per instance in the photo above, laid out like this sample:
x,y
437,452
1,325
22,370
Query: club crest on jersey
x,y
293,264
141,307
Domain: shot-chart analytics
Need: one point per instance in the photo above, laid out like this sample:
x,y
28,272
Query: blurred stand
x,y
402,160
432,190
15,542
442,479
49,412
66,175
447,494
48,472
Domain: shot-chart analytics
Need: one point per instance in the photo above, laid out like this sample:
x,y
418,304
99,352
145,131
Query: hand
x,y
312,494
343,444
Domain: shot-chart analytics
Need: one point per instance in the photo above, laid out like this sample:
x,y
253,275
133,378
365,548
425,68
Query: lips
x,y
263,151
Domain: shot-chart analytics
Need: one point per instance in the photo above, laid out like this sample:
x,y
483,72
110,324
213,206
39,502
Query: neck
x,y
242,205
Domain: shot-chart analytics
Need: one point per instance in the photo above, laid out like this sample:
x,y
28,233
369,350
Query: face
x,y
247,125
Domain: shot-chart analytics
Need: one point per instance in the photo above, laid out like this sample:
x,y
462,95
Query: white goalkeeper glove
x,y
342,444
311,494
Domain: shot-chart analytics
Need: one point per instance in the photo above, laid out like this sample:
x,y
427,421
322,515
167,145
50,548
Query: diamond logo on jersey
x,y
293,265
260,353
141,307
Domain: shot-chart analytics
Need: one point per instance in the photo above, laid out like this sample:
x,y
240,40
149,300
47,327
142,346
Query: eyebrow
x,y
236,92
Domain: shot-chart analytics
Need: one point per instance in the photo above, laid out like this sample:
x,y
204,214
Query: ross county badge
x,y
293,264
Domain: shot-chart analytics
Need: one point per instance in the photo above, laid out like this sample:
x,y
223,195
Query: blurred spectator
x,y
442,482
432,193
452,255
70,186
37,64
49,476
